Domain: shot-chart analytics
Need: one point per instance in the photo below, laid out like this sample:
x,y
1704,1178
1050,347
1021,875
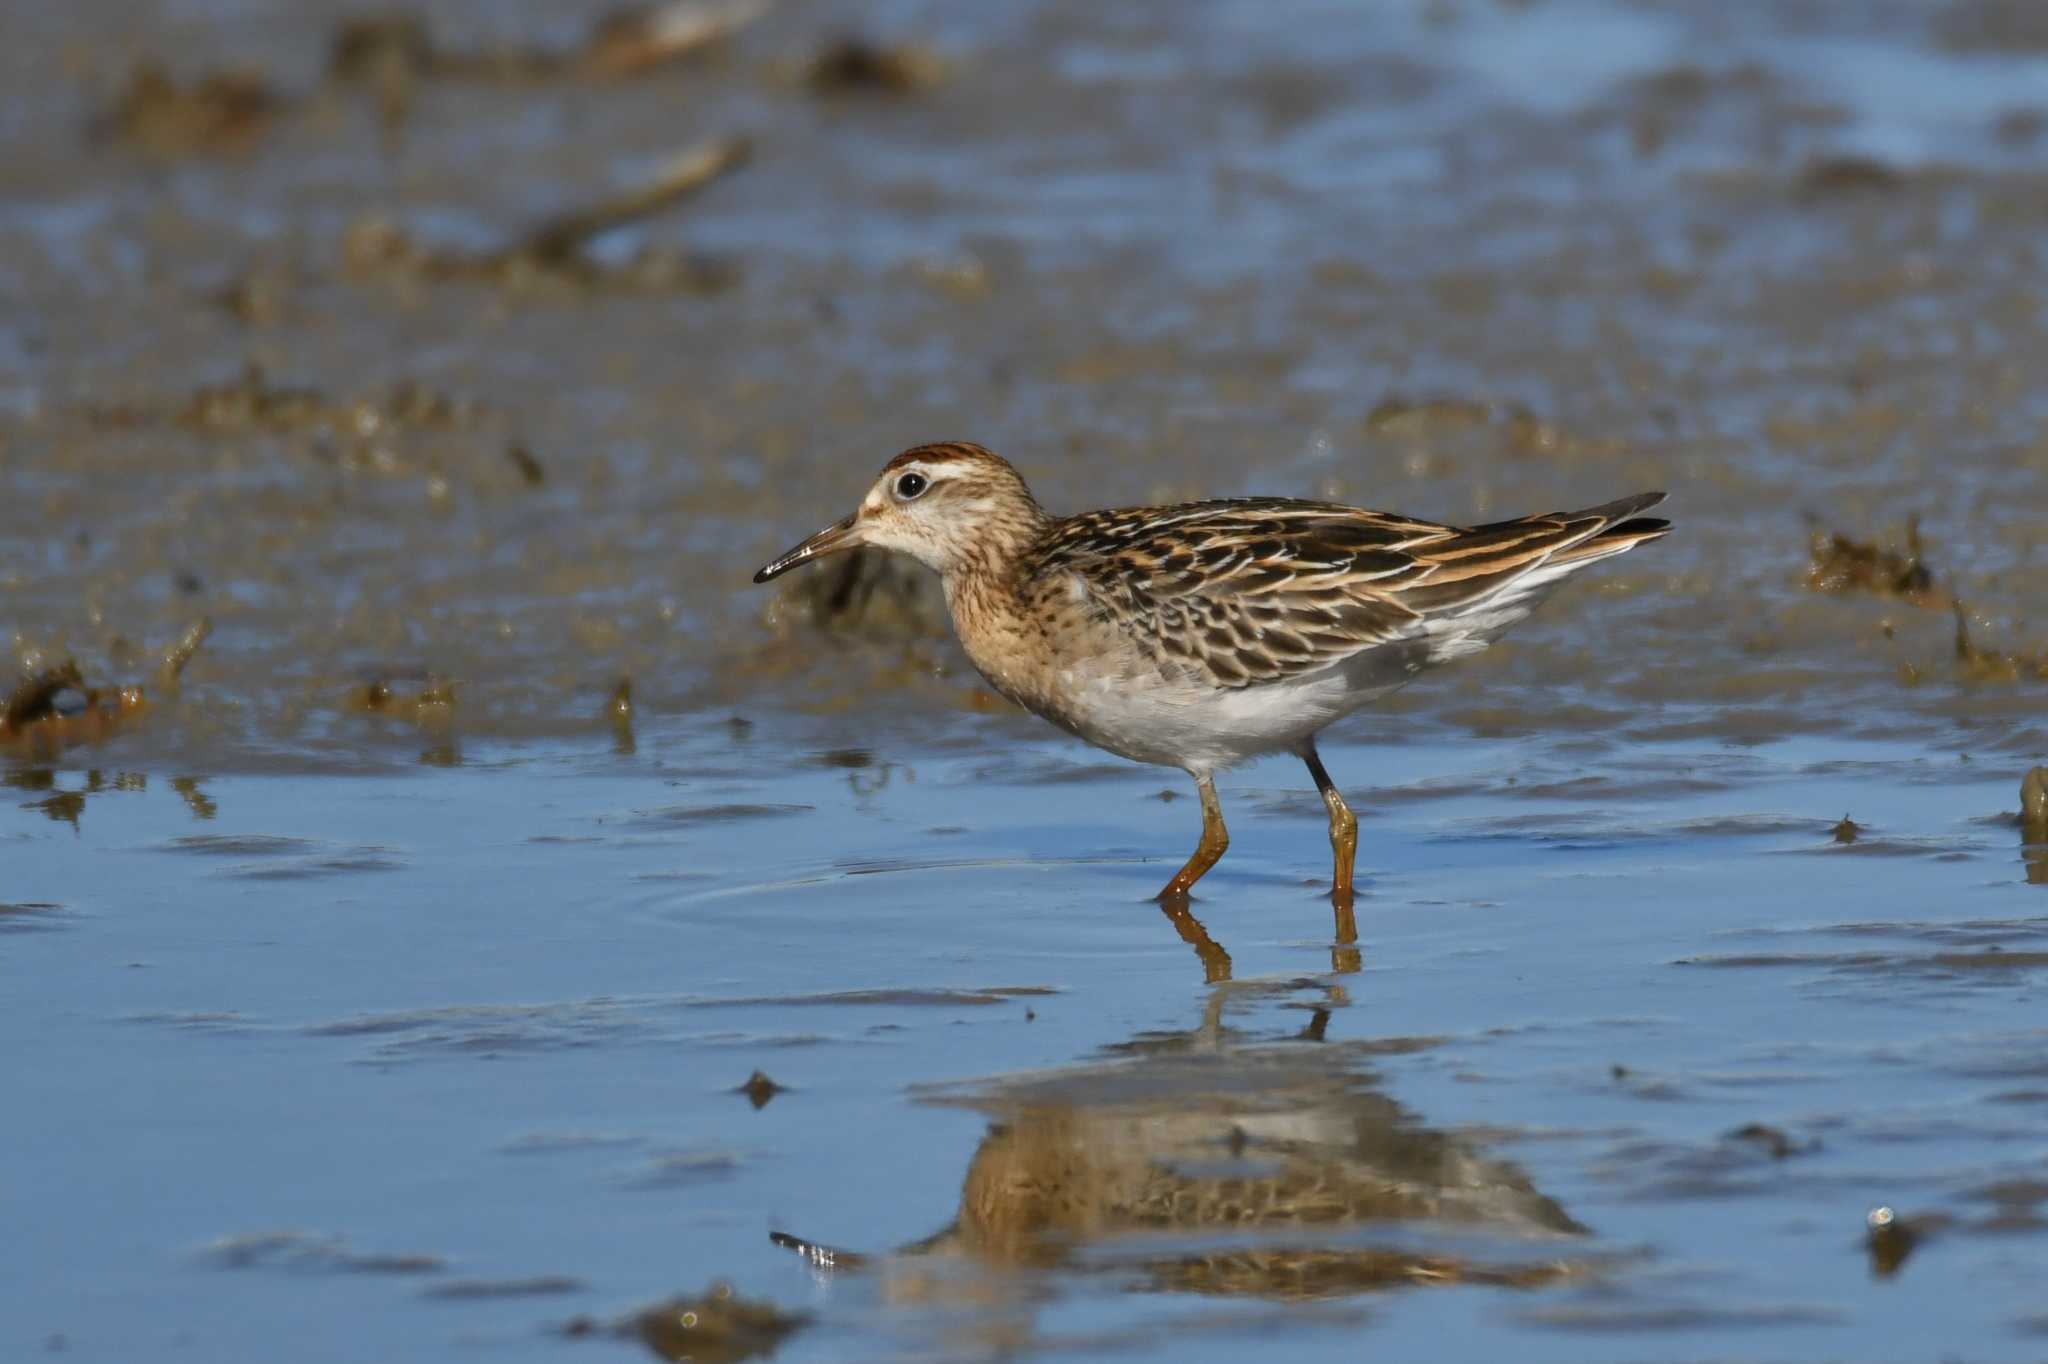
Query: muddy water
x,y
382,989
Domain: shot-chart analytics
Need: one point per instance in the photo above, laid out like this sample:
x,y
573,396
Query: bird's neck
x,y
985,594
994,556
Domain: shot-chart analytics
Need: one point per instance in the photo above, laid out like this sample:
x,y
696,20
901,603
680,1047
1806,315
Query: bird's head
x,y
946,505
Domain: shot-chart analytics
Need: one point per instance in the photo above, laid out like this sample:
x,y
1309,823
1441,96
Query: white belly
x,y
1204,729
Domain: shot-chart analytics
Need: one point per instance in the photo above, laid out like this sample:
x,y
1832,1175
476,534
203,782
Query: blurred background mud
x,y
307,332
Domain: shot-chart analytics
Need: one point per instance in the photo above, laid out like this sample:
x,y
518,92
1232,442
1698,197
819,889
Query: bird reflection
x,y
2034,825
1345,956
1208,1161
1215,961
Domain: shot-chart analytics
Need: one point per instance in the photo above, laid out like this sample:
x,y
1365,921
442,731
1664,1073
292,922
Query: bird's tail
x,y
1511,566
1613,528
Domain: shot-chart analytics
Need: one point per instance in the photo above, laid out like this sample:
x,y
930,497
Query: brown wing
x,y
1252,590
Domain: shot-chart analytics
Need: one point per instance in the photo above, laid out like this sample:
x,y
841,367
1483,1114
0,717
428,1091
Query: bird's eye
x,y
910,485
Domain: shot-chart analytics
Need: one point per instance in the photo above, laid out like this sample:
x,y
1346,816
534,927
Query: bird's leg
x,y
1215,838
1343,832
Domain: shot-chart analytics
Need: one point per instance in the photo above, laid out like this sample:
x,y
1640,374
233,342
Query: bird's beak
x,y
835,537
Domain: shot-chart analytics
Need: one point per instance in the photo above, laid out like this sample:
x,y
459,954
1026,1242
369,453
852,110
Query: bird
x,y
1203,634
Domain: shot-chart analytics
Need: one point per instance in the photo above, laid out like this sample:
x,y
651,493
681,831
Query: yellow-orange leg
x,y
1344,954
1215,838
1343,826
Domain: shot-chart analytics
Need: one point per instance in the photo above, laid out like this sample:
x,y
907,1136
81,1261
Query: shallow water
x,y
331,1062
377,992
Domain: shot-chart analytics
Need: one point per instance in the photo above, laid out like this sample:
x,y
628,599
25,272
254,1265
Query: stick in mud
x,y
554,248
560,238
396,50
635,41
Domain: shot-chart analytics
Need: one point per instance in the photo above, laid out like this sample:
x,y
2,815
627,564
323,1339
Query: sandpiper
x,y
1200,635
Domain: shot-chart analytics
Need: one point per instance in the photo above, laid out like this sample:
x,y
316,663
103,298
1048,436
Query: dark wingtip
x,y
1622,508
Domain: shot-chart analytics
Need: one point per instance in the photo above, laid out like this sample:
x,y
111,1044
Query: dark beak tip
x,y
826,541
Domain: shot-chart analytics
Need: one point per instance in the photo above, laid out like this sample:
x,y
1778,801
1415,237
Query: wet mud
x,y
445,909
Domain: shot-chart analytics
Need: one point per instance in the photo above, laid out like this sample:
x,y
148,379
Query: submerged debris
x,y
856,65
619,710
1841,564
221,113
759,1089
555,249
1846,831
720,1327
1773,1141
1889,1238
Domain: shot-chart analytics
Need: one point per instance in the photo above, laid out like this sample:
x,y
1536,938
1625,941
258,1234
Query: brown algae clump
x,y
222,113
759,1089
51,709
1980,664
716,1327
857,66
1841,564
432,707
